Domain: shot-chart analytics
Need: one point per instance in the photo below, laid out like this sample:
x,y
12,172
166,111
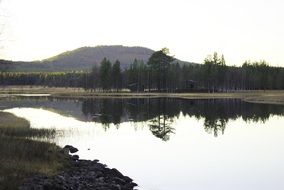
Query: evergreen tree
x,y
159,63
105,74
116,75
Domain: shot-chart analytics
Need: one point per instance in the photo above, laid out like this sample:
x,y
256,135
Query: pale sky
x,y
191,29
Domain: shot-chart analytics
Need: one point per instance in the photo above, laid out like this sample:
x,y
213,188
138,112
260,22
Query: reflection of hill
x,y
72,108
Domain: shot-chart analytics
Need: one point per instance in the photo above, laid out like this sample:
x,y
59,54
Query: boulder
x,y
71,149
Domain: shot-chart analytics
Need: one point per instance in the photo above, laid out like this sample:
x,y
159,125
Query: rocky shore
x,y
82,174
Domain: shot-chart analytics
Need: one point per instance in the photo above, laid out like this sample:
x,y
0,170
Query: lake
x,y
166,144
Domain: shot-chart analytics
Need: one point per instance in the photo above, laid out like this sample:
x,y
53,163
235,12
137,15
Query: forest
x,y
162,73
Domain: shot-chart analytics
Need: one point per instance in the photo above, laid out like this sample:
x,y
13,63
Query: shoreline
x,y
80,174
256,96
102,177
29,164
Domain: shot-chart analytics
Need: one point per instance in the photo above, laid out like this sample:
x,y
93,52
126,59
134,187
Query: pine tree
x,y
105,74
116,75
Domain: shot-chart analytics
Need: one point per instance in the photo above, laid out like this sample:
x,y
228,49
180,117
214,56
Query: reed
x,y
20,156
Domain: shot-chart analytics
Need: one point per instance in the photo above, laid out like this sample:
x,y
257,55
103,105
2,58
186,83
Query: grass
x,y
21,157
13,126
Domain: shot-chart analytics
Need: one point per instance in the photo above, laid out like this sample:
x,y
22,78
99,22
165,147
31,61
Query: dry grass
x,y
18,127
20,156
256,96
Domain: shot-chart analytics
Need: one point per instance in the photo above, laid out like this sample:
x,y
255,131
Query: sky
x,y
191,29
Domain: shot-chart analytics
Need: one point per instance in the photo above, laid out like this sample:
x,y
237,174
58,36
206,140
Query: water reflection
x,y
160,112
161,127
157,113
249,156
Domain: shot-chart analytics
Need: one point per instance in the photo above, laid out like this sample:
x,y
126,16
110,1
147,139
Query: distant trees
x,y
160,73
258,75
163,73
137,76
55,79
116,76
214,72
106,77
105,74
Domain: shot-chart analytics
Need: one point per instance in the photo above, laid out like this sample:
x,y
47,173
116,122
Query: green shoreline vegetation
x,y
20,156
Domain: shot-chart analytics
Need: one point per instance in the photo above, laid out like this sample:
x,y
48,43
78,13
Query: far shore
x,y
256,96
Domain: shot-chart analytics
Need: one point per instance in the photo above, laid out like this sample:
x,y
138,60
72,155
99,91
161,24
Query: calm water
x,y
168,144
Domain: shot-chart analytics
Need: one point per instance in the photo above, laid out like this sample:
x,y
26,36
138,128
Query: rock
x,y
130,186
71,148
47,185
127,179
119,180
61,178
115,187
96,161
82,174
115,172
75,157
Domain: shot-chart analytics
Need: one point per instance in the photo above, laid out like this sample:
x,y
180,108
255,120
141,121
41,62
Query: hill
x,y
80,59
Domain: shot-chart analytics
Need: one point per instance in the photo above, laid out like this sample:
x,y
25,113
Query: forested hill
x,y
81,59
87,57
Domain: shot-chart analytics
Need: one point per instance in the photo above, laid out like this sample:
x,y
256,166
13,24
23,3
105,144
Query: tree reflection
x,y
160,126
159,113
215,126
105,111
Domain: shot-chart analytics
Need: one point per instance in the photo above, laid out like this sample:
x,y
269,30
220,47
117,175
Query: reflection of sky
x,y
248,156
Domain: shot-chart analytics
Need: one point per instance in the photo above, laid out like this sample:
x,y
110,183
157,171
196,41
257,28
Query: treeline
x,y
54,79
161,73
